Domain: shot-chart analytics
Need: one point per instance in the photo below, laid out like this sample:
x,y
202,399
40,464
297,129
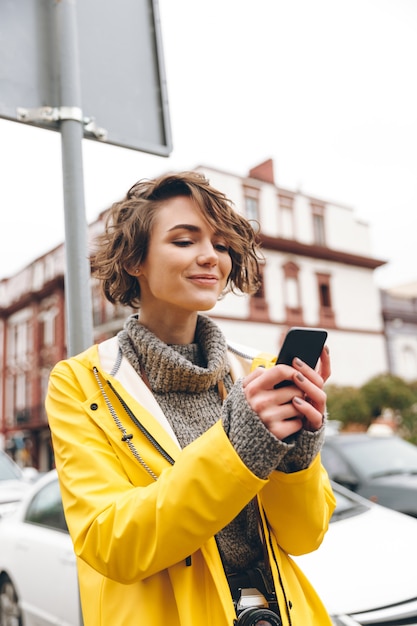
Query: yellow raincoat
x,y
143,526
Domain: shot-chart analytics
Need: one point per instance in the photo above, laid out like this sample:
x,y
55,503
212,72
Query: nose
x,y
207,255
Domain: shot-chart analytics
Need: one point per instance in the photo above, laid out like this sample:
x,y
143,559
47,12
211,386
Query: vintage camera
x,y
252,609
254,599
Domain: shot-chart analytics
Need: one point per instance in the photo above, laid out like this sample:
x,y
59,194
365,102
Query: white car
x,y
38,579
363,569
14,484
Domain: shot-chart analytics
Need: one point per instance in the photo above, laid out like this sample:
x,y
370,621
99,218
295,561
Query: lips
x,y
208,279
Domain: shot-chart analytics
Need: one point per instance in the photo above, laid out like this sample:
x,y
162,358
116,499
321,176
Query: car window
x,y
333,462
346,506
8,469
379,456
46,509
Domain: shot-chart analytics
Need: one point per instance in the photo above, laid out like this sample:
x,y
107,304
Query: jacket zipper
x,y
127,437
141,427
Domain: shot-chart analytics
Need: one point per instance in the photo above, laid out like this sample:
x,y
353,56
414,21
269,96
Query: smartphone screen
x,y
304,343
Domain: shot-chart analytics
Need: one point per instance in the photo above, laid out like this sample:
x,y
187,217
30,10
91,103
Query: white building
x,y
399,307
318,272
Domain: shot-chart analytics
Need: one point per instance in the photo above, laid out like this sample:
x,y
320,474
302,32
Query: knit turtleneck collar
x,y
193,367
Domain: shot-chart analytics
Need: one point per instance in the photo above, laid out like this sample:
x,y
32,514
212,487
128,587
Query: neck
x,y
170,329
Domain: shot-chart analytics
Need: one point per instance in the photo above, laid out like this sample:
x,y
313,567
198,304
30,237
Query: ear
x,y
133,271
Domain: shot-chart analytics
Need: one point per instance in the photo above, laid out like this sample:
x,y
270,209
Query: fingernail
x,y
298,362
299,376
327,349
297,400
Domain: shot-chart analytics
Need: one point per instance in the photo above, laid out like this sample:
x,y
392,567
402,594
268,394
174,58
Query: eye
x,y
183,243
219,243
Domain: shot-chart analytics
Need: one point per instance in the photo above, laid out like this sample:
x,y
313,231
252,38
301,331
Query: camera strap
x,y
269,575
260,578
265,541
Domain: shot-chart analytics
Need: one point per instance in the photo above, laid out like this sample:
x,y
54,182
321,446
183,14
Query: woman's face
x,y
187,265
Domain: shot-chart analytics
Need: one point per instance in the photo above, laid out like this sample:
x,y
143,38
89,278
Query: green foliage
x,y
351,405
348,405
387,392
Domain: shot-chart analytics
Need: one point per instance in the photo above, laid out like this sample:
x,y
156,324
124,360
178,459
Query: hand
x,y
286,410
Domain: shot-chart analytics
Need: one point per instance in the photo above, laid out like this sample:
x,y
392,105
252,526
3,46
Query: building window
x,y
258,306
292,295
47,327
326,313
408,363
19,338
252,208
20,390
286,215
319,231
251,197
325,300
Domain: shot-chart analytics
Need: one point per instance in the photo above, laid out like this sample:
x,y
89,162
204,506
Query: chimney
x,y
264,172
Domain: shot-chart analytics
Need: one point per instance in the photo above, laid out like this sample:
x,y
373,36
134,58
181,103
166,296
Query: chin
x,y
207,306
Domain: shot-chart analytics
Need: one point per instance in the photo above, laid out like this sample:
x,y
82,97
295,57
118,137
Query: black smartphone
x,y
306,343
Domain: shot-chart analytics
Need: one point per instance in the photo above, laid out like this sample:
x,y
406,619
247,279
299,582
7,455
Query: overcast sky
x,y
327,89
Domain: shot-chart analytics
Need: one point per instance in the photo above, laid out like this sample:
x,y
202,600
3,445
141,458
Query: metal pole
x,y
77,279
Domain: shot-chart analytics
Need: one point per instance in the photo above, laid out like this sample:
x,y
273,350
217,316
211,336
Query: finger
x,y
284,428
313,394
313,417
271,404
253,375
282,421
308,372
325,368
267,378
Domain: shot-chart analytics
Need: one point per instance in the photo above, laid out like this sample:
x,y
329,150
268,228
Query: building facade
x,y
32,336
399,310
317,271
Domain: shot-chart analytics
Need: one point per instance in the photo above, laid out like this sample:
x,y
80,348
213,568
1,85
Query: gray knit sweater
x,y
184,380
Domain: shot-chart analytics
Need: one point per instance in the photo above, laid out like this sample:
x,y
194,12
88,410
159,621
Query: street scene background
x,y
325,89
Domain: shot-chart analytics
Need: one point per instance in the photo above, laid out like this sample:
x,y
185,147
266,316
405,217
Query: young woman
x,y
186,477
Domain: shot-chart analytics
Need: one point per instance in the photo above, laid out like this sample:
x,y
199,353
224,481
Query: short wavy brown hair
x,y
128,227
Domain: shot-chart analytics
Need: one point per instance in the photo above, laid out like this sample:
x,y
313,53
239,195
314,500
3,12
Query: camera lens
x,y
258,617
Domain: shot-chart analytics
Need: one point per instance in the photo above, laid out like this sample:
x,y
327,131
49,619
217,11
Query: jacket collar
x,y
113,364
122,371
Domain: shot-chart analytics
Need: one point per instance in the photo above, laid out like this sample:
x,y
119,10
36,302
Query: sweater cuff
x,y
304,447
258,448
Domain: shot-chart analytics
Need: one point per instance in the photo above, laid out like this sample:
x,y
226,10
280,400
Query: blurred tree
x,y
413,387
348,405
409,416
361,406
387,392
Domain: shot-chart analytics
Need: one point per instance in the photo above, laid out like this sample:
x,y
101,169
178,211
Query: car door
x,y
338,467
48,579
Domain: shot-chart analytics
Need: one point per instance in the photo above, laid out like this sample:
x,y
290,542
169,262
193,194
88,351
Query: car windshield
x,y
8,470
346,506
381,456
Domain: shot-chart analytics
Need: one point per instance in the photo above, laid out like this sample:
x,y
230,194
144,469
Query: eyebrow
x,y
189,227
192,228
